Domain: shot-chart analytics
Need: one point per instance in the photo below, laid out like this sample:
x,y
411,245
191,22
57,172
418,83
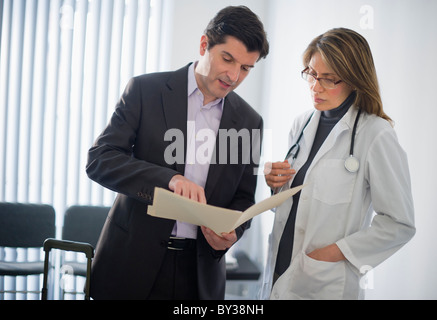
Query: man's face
x,y
223,67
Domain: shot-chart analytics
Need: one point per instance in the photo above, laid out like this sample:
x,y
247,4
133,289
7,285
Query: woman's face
x,y
326,99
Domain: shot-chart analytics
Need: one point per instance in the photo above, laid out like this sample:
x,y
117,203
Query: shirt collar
x,y
192,84
194,89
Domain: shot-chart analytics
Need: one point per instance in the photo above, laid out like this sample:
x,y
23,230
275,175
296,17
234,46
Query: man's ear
x,y
203,45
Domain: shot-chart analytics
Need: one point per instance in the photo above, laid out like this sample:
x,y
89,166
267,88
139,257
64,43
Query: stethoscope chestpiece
x,y
352,164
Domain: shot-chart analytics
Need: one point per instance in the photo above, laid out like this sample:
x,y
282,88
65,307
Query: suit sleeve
x,y
111,160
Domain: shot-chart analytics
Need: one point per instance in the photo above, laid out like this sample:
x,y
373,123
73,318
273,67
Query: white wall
x,y
403,38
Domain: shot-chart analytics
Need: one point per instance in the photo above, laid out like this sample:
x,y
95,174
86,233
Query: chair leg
x,y
46,273
88,277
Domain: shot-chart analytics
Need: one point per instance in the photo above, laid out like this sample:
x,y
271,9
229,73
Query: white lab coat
x,y
337,206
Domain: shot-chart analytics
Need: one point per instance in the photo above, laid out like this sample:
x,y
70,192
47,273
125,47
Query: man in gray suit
x,y
143,257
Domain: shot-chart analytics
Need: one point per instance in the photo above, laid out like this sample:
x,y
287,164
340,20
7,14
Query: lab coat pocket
x,y
333,184
313,279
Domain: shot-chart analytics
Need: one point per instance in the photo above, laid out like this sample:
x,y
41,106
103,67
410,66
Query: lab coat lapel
x,y
175,105
344,124
307,140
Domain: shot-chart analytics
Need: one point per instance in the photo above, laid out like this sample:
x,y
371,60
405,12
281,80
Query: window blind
x,y
63,66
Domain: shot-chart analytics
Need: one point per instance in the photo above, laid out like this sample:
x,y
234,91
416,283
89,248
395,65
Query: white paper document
x,y
169,205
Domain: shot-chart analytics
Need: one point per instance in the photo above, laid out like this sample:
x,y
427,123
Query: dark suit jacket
x,y
128,157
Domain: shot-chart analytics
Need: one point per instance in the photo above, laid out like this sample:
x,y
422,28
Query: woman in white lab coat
x,y
327,236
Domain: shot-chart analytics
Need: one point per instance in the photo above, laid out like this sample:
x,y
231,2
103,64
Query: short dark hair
x,y
241,23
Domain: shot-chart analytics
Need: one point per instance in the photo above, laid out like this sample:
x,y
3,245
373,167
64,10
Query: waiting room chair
x,y
25,226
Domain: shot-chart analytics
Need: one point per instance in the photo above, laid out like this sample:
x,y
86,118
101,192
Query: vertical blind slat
x,y
39,101
128,45
102,73
89,102
141,37
64,70
76,145
26,101
4,91
50,121
14,99
114,83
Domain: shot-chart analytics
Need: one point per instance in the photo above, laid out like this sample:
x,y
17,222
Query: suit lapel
x,y
230,119
175,105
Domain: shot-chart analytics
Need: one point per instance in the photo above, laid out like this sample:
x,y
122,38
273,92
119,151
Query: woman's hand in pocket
x,y
331,253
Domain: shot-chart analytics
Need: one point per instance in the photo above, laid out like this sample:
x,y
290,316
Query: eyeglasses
x,y
325,83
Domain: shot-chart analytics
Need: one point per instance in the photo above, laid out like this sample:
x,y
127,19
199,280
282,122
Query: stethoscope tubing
x,y
352,159
354,130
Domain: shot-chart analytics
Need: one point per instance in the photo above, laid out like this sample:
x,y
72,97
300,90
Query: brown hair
x,y
241,23
348,54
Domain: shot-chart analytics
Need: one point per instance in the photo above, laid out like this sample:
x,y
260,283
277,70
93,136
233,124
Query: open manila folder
x,y
169,205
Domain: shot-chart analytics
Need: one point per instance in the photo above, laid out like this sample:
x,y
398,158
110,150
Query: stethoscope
x,y
352,164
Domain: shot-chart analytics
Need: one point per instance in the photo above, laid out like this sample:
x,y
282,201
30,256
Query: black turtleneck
x,y
328,120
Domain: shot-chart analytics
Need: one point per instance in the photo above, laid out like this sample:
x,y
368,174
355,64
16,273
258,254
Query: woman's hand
x,y
331,253
278,173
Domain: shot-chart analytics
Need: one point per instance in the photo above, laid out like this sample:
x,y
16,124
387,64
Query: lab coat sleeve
x,y
388,177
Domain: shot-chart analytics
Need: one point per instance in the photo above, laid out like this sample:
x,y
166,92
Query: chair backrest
x,y
84,223
24,225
